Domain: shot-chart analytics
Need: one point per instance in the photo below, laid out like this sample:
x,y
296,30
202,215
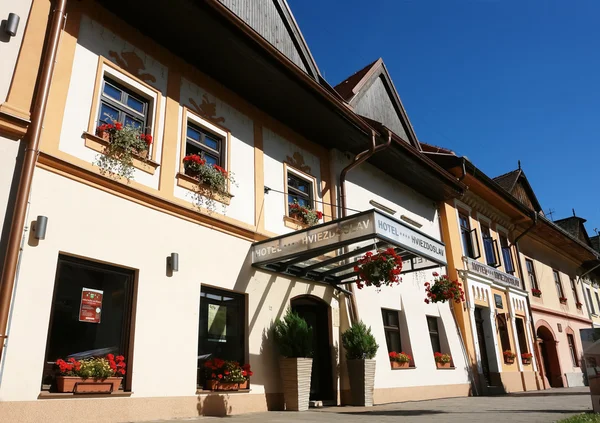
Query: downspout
x,y
464,170
531,323
32,140
358,159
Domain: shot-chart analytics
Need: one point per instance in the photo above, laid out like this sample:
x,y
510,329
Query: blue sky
x,y
495,80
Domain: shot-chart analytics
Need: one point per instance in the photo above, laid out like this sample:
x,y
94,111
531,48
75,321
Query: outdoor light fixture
x,y
12,24
40,227
173,262
409,220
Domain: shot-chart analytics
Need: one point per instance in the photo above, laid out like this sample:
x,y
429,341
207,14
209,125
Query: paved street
x,y
527,407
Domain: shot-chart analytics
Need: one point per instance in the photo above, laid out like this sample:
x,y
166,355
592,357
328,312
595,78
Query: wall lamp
x,y
173,262
41,223
12,24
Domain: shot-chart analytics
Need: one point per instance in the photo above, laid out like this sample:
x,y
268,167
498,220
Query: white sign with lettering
x,y
497,275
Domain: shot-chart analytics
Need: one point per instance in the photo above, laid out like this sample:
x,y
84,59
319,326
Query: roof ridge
x,y
506,174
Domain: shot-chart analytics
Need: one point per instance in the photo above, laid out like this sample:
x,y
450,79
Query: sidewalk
x,y
526,407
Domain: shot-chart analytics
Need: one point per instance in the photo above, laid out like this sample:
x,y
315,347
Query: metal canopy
x,y
327,253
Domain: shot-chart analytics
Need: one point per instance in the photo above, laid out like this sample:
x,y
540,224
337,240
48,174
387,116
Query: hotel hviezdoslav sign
x,y
372,224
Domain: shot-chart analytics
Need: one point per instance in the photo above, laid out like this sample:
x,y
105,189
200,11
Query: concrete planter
x,y
362,381
295,373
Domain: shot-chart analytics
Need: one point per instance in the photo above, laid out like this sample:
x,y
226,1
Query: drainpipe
x,y
531,323
464,170
32,140
358,159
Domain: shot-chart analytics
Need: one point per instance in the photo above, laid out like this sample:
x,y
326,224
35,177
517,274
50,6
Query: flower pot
x,y
399,364
442,365
227,386
105,135
536,294
527,361
211,384
243,385
79,385
509,360
142,154
295,373
362,381
191,173
298,218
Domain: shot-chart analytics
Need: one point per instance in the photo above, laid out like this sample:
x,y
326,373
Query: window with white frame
x,y
509,266
205,144
468,236
121,104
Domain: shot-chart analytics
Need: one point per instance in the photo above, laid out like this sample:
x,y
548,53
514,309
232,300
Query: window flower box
x,y
536,292
443,289
526,358
304,215
79,385
579,305
224,375
211,181
509,357
399,360
563,300
93,375
442,361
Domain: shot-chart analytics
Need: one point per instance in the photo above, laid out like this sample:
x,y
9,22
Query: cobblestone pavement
x,y
526,407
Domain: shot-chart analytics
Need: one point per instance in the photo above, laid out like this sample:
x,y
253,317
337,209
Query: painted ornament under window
x,y
381,268
213,181
125,143
443,289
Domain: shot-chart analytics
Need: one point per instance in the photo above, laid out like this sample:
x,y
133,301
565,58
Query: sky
x,y
494,80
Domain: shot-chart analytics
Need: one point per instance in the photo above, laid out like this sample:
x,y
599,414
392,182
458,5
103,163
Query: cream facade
x,y
114,235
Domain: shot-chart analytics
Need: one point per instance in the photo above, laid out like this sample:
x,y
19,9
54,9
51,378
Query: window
x,y
75,332
434,334
531,273
205,144
222,327
391,326
469,237
574,289
300,190
506,255
489,246
120,104
597,299
589,295
503,332
559,288
521,335
571,342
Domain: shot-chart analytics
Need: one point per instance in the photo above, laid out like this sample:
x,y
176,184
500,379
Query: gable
x,y
376,103
274,21
520,193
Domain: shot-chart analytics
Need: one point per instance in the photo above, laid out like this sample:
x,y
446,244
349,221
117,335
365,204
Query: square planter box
x,y
443,365
78,385
509,360
527,361
362,381
399,365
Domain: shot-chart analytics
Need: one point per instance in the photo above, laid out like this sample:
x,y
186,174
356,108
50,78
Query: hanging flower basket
x,y
382,268
509,357
443,289
124,143
442,361
526,358
536,292
399,360
304,215
212,180
94,375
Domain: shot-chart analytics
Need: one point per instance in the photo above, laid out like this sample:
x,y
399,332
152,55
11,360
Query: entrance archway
x,y
549,354
316,313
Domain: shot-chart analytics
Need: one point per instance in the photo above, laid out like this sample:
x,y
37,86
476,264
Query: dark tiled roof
x,y
571,225
428,148
508,180
595,240
345,87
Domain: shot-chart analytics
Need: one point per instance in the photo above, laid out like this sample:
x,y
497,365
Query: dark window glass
x,y
574,289
531,273
503,331
434,335
391,326
465,233
222,327
559,289
299,190
521,335
506,255
120,104
571,342
597,298
205,144
589,295
488,245
70,337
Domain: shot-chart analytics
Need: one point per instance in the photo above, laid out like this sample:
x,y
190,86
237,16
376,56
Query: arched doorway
x,y
549,356
316,313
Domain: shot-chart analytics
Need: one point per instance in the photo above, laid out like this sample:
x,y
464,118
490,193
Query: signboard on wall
x,y
498,300
90,309
489,272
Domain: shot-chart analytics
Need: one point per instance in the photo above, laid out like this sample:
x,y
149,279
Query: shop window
x,y
559,288
503,332
205,144
574,289
571,341
521,335
489,246
222,327
531,273
300,189
509,266
469,237
78,331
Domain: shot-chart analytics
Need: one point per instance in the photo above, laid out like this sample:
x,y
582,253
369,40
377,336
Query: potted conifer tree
x,y
361,347
293,337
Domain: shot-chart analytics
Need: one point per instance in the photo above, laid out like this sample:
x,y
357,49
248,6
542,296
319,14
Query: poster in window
x,y
91,305
498,300
217,322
